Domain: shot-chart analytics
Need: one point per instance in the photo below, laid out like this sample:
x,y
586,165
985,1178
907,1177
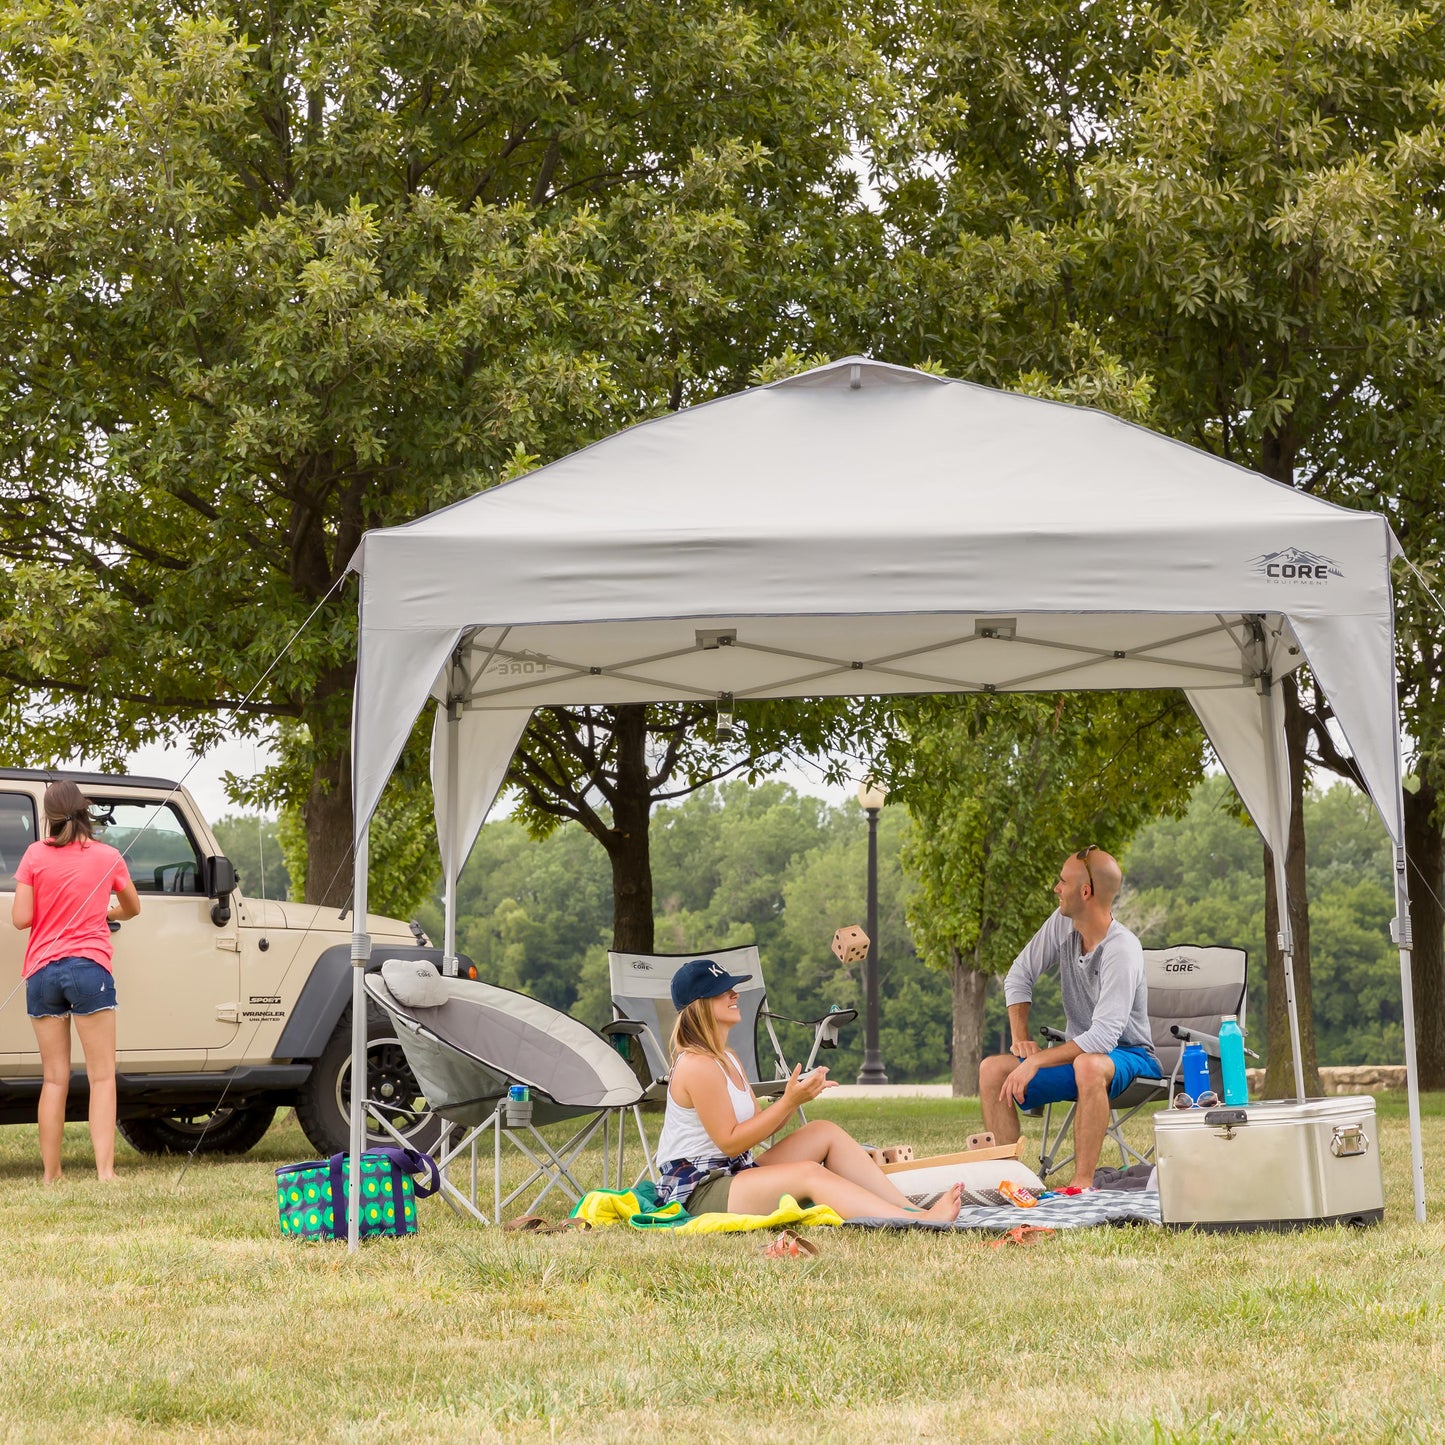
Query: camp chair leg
x,y
1127,1152
554,1165
497,1164
454,1197
559,1169
647,1157
1049,1163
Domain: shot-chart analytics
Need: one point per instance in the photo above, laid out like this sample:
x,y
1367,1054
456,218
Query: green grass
x,y
150,1310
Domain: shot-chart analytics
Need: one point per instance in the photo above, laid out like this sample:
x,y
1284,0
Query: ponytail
x,y
67,815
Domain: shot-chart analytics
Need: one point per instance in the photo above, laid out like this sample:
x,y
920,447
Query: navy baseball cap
x,y
702,978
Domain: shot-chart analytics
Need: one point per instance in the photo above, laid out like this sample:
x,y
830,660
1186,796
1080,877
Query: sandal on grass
x,y
526,1224
567,1226
790,1246
1022,1234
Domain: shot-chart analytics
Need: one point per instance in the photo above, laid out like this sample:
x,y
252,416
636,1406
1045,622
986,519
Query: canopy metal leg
x,y
1279,790
1405,939
360,952
451,742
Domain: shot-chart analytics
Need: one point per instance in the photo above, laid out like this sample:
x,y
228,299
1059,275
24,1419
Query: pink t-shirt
x,y
72,893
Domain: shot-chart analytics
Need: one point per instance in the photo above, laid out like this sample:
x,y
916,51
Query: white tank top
x,y
683,1135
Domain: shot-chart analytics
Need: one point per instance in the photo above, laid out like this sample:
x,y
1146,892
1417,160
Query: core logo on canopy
x,y
1293,564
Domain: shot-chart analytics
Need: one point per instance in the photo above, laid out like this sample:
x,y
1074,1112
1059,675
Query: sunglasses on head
x,y
1083,856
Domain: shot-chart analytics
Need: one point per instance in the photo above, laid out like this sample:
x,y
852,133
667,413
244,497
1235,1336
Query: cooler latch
x,y
1225,1120
1348,1141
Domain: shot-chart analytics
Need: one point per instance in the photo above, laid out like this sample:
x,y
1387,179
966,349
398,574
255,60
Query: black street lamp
x,y
871,795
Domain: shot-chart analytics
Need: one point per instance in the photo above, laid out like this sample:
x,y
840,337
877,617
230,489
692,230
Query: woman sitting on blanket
x,y
713,1121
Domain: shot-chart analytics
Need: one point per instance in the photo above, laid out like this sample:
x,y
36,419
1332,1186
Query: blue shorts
x,y
69,986
1056,1085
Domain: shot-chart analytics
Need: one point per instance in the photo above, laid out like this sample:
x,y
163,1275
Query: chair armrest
x,y
1052,1036
635,1029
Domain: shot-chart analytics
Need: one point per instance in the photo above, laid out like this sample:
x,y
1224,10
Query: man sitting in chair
x,y
1101,975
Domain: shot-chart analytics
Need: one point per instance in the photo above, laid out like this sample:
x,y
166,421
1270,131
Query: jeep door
x,y
17,833
177,975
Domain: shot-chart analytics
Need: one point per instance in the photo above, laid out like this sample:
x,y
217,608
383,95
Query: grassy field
x,y
151,1310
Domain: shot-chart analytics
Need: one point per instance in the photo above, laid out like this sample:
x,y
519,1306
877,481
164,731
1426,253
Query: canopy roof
x,y
864,529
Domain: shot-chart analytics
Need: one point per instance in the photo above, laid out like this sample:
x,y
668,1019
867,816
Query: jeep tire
x,y
323,1105
215,1131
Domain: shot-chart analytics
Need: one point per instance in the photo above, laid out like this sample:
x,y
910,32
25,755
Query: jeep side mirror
x,y
220,879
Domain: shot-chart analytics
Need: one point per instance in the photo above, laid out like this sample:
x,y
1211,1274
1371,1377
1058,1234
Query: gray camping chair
x,y
644,1019
1190,988
468,1050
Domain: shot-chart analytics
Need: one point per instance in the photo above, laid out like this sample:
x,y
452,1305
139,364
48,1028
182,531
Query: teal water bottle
x,y
1231,1060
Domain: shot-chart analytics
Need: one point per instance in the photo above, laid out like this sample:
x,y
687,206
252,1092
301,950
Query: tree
x,y
251,842
1192,879
1004,787
1262,236
735,864
608,767
1396,447
277,275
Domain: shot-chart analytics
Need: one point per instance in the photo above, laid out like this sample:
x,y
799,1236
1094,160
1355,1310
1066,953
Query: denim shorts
x,y
69,986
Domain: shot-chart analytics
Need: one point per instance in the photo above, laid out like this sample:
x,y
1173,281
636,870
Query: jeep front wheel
x,y
323,1107
201,1131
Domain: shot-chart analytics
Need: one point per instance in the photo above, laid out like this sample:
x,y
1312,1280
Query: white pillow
x,y
414,983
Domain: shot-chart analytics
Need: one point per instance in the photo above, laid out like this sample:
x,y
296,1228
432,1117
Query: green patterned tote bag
x,y
312,1197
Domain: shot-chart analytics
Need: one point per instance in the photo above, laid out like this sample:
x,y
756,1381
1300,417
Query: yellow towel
x,y
788,1212
601,1207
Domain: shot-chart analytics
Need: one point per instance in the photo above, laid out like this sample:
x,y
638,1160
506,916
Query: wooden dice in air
x,y
850,944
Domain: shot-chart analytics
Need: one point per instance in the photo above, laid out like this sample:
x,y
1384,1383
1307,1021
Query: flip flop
x,y
526,1224
567,1226
790,1246
1022,1234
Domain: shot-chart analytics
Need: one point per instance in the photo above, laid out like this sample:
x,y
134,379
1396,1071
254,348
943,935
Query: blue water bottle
x,y
1231,1060
1196,1070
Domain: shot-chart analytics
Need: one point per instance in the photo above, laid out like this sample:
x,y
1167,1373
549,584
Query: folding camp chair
x,y
1190,988
469,1050
644,1019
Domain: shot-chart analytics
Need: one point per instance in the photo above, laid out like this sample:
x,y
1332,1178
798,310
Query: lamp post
x,y
871,795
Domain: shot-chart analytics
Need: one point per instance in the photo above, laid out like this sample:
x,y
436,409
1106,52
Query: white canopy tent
x,y
865,529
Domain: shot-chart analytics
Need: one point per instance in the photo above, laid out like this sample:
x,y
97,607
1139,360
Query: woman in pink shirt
x,y
63,890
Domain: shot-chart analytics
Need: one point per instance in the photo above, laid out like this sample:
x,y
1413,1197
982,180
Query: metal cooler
x,y
1283,1164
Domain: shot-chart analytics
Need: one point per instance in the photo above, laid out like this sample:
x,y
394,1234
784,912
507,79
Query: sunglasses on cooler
x,y
1207,1100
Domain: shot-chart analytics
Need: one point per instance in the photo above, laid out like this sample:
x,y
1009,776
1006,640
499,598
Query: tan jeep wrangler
x,y
229,1007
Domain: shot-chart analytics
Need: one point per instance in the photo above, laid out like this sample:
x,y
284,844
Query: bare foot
x,y
54,1178
110,1178
945,1208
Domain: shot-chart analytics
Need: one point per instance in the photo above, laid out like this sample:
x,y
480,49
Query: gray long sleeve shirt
x,y
1104,994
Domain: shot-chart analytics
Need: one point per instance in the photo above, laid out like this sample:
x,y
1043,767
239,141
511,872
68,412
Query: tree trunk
x,y
1279,1080
1425,848
970,987
628,844
326,814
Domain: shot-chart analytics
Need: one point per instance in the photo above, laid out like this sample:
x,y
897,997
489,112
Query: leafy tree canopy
x,y
276,275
